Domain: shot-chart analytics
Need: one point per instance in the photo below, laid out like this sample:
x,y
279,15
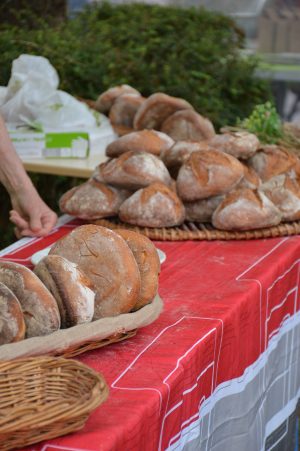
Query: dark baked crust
x,y
105,258
39,307
12,325
188,125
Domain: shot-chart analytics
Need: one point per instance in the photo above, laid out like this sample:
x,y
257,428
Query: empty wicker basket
x,y
45,397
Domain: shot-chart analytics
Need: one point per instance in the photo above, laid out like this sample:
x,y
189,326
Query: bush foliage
x,y
189,53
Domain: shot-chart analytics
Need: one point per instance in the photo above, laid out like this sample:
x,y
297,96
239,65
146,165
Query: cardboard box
x,y
61,144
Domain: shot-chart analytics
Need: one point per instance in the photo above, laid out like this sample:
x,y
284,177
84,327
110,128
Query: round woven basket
x,y
201,231
45,397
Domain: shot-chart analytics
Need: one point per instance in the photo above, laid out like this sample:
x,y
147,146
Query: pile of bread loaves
x,y
91,273
173,167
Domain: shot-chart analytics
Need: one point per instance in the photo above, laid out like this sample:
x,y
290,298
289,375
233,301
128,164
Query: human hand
x,y
31,215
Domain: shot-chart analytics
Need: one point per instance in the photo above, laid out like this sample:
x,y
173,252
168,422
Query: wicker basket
x,y
45,397
201,231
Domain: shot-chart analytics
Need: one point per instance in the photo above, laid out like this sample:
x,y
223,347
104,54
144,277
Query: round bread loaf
x,y
239,144
202,210
156,109
39,307
245,209
150,141
148,262
284,191
272,160
105,258
12,325
188,125
124,109
72,290
175,156
134,170
107,98
208,173
154,206
92,200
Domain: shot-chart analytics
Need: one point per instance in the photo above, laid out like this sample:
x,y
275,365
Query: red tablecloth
x,y
218,370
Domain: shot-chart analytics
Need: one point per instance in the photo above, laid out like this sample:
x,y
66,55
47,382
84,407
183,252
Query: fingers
x,y
17,219
40,224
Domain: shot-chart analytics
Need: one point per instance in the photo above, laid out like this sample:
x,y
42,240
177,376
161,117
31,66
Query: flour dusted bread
x,y
134,170
208,173
239,144
124,109
202,210
272,160
175,156
39,307
246,209
105,258
150,141
107,98
72,290
284,191
12,325
188,125
250,179
148,263
156,109
154,206
92,200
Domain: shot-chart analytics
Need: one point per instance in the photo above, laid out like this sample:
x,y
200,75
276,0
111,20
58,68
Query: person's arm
x,y
30,214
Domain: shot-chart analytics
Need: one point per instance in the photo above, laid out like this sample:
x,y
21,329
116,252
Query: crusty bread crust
x,y
124,109
105,258
202,210
284,191
271,160
72,290
39,307
246,209
148,262
134,170
92,200
156,109
107,98
188,125
208,173
12,324
153,206
150,141
238,144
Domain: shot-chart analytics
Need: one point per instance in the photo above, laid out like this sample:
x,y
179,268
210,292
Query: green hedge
x,y
190,53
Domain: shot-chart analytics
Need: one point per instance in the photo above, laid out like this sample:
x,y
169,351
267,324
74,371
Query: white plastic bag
x,y
32,97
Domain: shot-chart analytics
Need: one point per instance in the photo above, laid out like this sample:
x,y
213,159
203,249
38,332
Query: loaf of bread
x,y
175,156
208,173
154,206
105,258
134,170
12,325
92,200
156,109
123,111
72,290
284,191
188,125
150,141
39,307
239,144
202,210
272,160
148,262
107,98
246,209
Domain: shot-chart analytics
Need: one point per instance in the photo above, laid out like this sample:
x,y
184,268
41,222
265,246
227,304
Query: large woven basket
x,y
45,397
201,231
